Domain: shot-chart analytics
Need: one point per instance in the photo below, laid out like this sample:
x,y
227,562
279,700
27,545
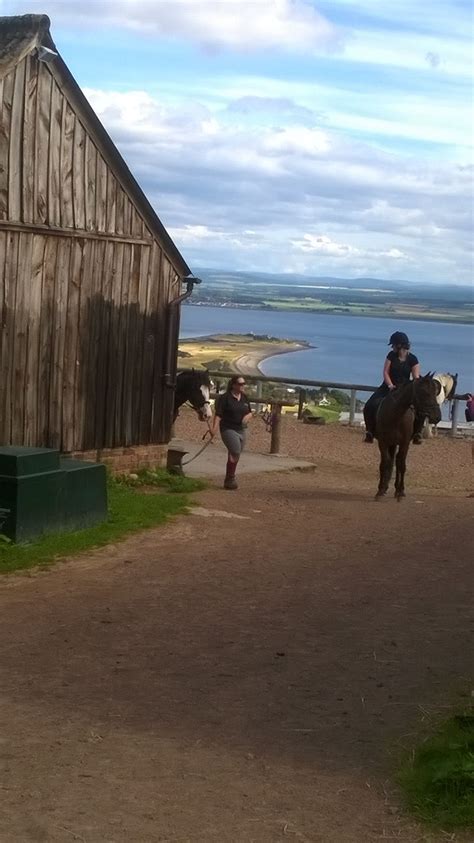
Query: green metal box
x,y
43,493
84,491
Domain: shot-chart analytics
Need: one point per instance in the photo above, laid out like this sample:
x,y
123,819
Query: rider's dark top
x,y
400,370
231,411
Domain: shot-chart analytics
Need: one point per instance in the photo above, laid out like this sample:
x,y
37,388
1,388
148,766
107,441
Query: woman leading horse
x,y
400,367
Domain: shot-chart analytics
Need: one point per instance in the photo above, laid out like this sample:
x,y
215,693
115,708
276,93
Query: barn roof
x,y
21,34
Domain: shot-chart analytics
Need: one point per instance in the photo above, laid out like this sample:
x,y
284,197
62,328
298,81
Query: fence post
x,y
352,408
301,401
259,391
276,429
454,417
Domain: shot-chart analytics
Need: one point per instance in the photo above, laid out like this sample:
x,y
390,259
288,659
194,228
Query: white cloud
x,y
294,199
408,50
329,148
242,25
448,17
321,244
439,114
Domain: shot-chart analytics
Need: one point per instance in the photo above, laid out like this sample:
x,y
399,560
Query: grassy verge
x,y
331,413
161,479
438,779
131,509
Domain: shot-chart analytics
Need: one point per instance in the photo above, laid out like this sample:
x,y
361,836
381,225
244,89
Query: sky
x,y
318,137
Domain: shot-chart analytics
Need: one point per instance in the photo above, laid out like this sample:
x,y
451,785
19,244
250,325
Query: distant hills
x,y
353,296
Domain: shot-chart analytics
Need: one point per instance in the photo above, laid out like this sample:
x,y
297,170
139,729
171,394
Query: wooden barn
x,y
90,281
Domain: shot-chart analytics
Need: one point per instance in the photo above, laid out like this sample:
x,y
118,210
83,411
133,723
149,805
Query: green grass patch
x,y
438,779
130,510
162,479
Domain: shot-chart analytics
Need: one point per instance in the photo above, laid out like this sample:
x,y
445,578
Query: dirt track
x,y
238,679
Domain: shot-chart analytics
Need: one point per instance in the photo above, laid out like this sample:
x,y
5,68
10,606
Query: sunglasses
x,y
240,383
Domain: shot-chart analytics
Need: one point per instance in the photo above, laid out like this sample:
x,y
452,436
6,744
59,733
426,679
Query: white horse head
x,y
447,386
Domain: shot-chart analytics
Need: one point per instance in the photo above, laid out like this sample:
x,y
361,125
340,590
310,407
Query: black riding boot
x,y
417,429
370,414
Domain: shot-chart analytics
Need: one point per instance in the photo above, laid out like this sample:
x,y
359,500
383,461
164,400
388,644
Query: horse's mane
x,y
201,376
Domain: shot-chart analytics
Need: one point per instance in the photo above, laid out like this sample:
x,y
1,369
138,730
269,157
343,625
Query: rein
x,y
201,449
207,433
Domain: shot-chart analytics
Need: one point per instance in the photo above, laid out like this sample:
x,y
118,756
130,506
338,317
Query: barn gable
x,y
87,270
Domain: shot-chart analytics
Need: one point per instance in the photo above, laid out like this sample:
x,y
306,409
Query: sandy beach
x,y
242,353
250,363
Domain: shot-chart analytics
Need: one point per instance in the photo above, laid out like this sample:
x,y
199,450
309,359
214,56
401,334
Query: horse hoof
x,y
379,496
399,496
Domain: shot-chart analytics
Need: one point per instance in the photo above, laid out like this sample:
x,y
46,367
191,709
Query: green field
x,y
402,311
449,302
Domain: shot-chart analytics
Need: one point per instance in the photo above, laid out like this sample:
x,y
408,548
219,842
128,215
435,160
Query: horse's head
x,y
454,385
425,393
446,386
194,386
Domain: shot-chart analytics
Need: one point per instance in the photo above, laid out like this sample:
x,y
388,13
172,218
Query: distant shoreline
x,y
240,353
448,320
250,363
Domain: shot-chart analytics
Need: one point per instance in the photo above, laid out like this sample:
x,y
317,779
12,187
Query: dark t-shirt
x,y
400,370
232,411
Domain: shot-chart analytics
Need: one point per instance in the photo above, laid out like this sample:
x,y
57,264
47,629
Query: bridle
x,y
197,409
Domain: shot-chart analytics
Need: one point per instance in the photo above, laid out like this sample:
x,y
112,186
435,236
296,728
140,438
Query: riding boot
x,y
370,416
417,429
230,482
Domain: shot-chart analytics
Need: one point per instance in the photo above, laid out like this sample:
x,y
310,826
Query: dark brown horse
x,y
394,428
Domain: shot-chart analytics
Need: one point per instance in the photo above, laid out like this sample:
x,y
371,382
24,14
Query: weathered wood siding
x,y
84,286
52,174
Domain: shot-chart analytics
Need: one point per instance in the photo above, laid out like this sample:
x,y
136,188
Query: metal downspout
x,y
173,330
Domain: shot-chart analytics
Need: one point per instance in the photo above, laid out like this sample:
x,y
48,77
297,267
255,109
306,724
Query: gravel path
x,y
251,672
440,464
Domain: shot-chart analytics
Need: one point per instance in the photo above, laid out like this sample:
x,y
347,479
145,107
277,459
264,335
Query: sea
x,y
345,349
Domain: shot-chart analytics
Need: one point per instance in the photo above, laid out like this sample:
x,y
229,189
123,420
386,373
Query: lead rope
x,y
203,447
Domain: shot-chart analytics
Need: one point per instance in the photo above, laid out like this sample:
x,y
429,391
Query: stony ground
x,y
252,671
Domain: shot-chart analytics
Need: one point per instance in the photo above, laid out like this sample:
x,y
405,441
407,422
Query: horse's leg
x,y
391,459
383,451
398,474
406,437
401,468
387,453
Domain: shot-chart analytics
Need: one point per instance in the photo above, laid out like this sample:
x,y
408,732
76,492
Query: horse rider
x,y
399,368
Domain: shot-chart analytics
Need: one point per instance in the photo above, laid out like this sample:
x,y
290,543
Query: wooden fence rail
x,y
302,383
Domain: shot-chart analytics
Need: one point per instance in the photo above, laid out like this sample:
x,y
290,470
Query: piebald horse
x,y
446,387
193,386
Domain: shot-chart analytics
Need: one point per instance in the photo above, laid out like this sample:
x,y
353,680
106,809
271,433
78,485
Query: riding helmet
x,y
399,338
